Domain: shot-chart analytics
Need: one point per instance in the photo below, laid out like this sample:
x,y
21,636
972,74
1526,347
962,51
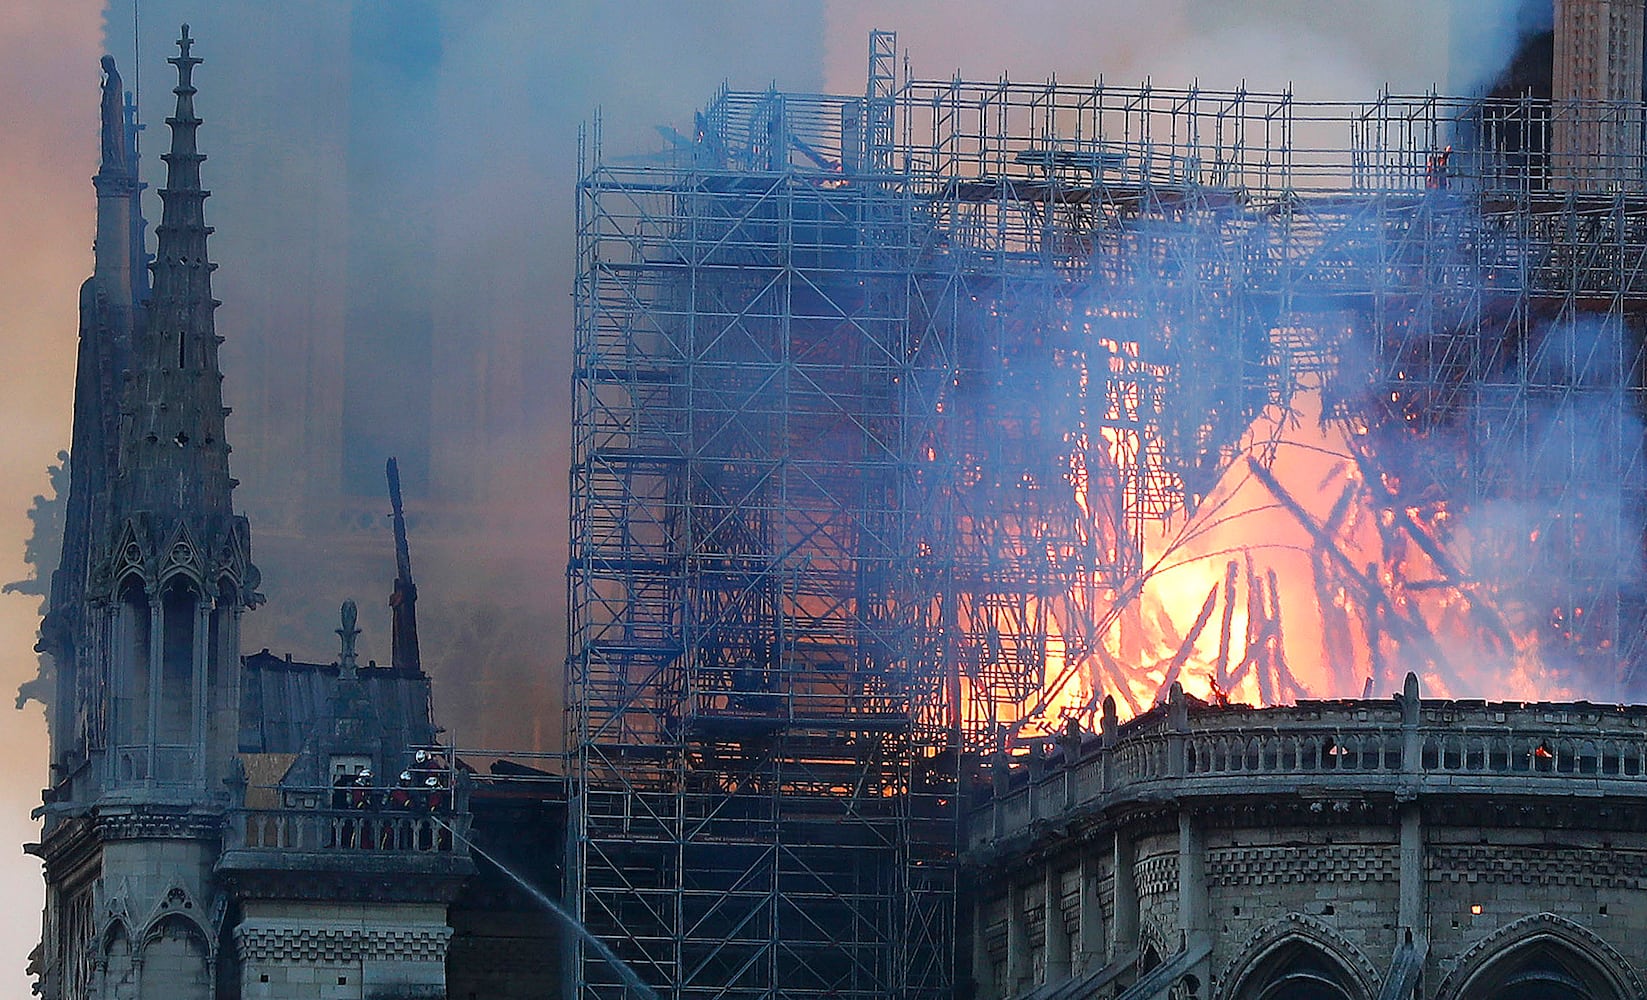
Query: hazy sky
x,y
49,53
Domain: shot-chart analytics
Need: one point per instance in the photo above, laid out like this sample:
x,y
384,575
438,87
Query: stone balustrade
x,y
1403,745
336,830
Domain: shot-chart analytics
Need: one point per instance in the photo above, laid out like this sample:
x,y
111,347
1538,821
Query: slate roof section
x,y
285,702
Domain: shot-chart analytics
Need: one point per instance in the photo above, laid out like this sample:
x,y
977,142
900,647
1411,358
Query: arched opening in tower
x,y
1299,970
1542,970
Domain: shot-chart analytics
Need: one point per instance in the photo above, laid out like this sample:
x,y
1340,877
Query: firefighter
x,y
363,798
354,793
341,783
424,766
397,832
434,794
1435,170
400,797
362,795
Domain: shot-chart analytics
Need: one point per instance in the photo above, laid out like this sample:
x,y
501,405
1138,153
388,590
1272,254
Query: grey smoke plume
x,y
1323,50
393,205
394,213
495,177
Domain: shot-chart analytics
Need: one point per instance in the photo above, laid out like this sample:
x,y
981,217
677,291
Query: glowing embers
x,y
1313,570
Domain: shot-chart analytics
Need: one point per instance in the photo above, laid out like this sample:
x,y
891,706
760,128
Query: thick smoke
x,y
394,216
393,206
1324,51
488,171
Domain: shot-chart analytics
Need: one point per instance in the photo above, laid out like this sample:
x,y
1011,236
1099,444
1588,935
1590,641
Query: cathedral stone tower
x,y
213,828
144,624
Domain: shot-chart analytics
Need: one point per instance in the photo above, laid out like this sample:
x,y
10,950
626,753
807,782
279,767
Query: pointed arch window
x,y
1541,970
132,679
176,961
1299,970
174,721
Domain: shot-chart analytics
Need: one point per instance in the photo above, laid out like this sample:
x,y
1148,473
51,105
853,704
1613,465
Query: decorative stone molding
x,y
1530,928
392,886
115,909
178,907
1229,866
1157,876
71,851
1151,934
145,825
1297,927
1507,865
157,928
341,944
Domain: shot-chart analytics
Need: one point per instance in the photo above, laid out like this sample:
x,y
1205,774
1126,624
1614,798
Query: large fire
x,y
1304,574
1151,484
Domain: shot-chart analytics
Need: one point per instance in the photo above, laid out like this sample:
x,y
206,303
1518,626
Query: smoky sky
x,y
393,198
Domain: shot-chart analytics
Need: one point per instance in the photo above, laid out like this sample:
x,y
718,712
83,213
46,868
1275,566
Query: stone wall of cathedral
x,y
342,950
1370,849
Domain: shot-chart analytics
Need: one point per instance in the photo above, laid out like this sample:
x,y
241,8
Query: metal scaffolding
x,y
875,397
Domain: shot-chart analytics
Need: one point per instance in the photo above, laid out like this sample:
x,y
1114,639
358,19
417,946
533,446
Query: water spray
x,y
631,979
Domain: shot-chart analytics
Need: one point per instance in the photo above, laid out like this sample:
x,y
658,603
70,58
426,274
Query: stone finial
x,y
1109,723
184,62
346,654
1069,740
1177,708
1410,699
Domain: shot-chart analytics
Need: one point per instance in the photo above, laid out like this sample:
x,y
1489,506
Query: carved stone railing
x,y
1408,746
351,831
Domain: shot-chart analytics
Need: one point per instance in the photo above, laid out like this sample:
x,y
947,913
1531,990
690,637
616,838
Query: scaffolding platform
x,y
877,396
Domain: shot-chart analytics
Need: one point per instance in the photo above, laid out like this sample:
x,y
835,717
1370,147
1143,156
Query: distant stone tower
x,y
144,627
1596,128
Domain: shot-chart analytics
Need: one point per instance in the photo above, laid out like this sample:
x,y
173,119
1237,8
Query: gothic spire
x,y
403,600
174,460
109,319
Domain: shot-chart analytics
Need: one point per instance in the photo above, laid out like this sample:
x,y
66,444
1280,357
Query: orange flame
x,y
1297,578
